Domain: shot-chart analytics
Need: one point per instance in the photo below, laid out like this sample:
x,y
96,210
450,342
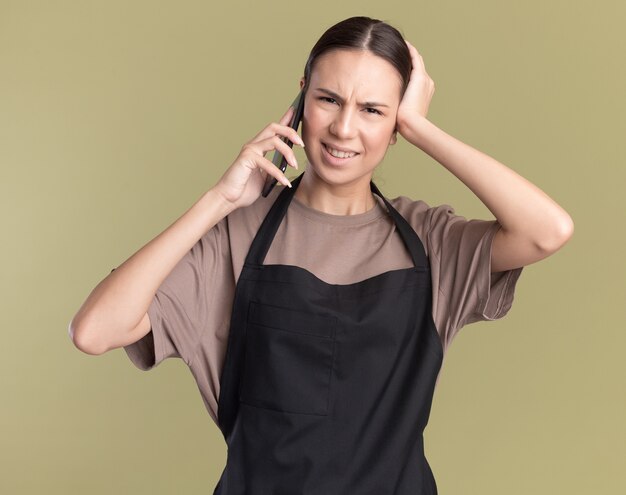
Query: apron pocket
x,y
288,359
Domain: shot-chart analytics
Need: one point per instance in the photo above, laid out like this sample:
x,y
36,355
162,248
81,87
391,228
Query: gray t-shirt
x,y
190,313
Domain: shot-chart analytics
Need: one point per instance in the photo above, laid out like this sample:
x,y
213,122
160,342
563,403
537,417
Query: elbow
x,y
83,340
563,232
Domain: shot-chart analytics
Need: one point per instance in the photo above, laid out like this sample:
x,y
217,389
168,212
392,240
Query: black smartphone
x,y
279,160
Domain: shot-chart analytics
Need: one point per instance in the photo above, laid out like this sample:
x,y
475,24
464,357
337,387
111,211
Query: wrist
x,y
414,130
214,201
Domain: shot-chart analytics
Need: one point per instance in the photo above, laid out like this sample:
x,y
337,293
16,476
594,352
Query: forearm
x,y
119,302
518,205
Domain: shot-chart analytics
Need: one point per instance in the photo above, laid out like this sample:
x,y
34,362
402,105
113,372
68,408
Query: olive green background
x,y
116,116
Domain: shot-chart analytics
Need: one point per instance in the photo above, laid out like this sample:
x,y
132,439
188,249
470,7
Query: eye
x,y
332,100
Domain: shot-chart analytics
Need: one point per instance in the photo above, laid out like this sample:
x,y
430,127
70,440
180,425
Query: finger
x,y
284,120
275,143
273,170
274,129
287,116
286,151
416,58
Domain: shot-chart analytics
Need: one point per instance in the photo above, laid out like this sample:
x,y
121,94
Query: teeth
x,y
339,154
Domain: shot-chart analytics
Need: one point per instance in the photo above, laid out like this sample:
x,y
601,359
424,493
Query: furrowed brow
x,y
340,99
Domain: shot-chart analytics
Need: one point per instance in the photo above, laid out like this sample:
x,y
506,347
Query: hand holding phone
x,y
279,160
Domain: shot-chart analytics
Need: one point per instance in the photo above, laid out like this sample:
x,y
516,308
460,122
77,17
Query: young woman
x,y
315,320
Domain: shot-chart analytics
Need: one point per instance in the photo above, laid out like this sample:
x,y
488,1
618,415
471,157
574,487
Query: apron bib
x,y
326,389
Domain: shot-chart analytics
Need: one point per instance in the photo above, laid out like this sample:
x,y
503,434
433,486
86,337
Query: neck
x,y
335,199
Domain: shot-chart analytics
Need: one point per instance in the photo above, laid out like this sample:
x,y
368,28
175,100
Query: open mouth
x,y
336,155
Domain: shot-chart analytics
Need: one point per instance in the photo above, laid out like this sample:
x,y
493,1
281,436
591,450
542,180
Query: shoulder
x,y
420,215
409,206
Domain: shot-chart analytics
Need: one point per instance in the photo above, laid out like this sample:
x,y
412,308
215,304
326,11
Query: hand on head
x,y
418,94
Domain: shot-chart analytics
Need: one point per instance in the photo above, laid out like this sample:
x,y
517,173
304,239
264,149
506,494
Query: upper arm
x,y
137,333
461,253
511,251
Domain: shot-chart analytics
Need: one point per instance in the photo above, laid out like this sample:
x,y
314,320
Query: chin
x,y
334,176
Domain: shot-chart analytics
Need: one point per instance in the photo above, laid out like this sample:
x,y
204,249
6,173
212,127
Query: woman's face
x,y
350,105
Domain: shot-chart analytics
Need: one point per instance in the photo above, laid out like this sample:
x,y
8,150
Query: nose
x,y
344,125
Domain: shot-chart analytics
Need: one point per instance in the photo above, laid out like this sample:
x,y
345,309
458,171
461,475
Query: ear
x,y
394,137
302,82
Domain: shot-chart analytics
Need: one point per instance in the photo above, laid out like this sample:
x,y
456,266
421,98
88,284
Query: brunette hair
x,y
364,33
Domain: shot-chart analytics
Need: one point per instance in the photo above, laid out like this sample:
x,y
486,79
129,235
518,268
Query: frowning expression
x,y
350,112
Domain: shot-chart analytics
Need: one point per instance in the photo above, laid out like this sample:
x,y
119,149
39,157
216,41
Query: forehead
x,y
347,71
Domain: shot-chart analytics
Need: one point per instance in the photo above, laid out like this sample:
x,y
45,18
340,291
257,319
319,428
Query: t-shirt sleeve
x,y
178,311
460,253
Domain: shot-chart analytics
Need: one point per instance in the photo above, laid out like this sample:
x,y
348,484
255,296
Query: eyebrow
x,y
340,99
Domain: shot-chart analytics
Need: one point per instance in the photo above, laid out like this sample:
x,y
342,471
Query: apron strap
x,y
261,243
